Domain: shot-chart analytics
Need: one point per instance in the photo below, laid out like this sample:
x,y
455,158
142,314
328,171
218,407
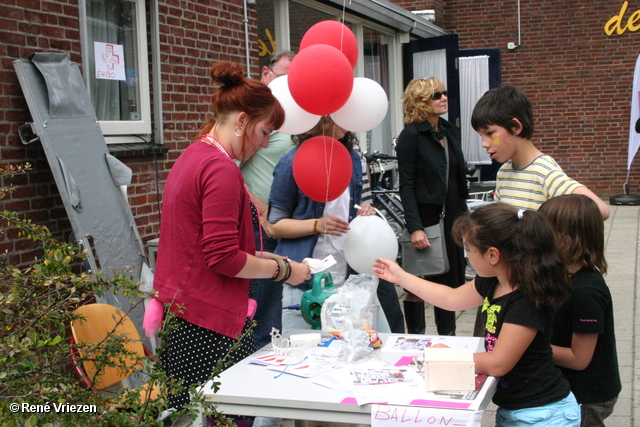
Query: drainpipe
x,y
512,45
156,72
246,36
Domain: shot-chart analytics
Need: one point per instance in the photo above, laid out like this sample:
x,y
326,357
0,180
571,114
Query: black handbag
x,y
432,260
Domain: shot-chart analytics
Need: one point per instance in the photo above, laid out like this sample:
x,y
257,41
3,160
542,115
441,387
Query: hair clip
x,y
520,213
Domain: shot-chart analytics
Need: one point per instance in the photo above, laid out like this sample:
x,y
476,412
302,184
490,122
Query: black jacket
x,y
422,168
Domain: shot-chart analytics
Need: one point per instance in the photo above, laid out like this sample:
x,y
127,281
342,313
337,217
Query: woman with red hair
x,y
207,253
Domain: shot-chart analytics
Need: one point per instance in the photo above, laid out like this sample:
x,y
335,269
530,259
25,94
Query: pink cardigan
x,y
205,234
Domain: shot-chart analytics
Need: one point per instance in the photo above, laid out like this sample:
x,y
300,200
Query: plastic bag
x,y
350,308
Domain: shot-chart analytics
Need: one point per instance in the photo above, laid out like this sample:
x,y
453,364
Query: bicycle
x,y
385,198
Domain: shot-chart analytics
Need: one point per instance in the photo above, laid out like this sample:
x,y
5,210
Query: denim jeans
x,y
268,296
564,413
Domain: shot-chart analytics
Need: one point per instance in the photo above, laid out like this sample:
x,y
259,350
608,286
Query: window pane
x,y
376,67
266,30
114,22
301,18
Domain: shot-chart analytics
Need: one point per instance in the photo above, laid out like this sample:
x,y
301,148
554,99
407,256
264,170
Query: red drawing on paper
x,y
109,58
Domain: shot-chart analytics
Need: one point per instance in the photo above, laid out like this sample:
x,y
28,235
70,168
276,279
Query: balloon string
x,y
344,8
328,165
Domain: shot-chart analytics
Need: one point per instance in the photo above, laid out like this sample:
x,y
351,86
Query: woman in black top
x,y
424,189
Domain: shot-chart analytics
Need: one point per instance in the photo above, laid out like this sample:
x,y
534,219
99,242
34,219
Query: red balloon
x,y
322,168
334,34
320,79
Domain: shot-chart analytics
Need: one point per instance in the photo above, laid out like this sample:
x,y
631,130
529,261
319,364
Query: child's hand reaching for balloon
x,y
388,270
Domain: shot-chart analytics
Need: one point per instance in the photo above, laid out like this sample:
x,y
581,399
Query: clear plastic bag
x,y
350,308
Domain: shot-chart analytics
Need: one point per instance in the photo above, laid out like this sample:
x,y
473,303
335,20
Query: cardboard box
x,y
449,369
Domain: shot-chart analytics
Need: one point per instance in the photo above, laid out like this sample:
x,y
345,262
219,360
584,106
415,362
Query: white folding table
x,y
253,390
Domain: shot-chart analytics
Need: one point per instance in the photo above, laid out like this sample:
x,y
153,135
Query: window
x,y
114,56
376,68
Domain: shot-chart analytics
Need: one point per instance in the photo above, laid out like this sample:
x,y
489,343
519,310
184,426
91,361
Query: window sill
x,y
138,149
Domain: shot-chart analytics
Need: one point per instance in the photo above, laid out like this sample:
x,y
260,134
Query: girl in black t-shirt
x,y
584,342
520,280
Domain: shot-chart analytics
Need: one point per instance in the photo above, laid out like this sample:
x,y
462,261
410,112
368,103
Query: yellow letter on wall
x,y
615,21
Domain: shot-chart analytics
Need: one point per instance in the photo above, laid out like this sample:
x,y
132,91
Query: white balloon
x,y
296,120
369,238
366,107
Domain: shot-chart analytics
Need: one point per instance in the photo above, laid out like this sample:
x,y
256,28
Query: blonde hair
x,y
415,98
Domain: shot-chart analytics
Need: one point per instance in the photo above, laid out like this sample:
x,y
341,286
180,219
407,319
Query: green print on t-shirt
x,y
492,315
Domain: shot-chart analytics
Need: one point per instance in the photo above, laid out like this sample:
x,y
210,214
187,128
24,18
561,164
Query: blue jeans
x,y
268,296
564,413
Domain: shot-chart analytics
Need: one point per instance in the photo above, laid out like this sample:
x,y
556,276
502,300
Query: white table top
x,y
252,390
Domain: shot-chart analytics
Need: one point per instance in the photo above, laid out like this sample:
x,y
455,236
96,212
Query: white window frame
x,y
118,131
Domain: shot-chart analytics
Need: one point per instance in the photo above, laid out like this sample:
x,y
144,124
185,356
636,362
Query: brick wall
x,y
578,78
193,35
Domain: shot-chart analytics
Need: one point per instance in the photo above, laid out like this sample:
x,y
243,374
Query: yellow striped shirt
x,y
531,186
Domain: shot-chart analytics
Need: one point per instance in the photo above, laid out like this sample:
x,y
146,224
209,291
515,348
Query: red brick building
x,y
578,77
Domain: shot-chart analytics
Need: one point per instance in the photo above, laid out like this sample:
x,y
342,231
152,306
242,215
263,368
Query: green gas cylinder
x,y
312,299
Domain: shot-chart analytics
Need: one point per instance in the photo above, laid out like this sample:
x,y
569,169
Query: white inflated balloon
x,y
296,120
369,238
366,107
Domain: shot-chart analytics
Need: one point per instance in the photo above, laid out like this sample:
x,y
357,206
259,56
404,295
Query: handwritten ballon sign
x,y
404,416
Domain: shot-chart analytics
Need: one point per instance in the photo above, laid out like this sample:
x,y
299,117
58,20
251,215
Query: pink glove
x,y
251,309
153,316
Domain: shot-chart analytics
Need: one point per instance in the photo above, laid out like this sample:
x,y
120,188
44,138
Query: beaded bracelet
x,y
315,227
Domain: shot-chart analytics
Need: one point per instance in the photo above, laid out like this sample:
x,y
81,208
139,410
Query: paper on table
x,y
415,344
340,377
271,359
384,385
412,394
304,370
337,379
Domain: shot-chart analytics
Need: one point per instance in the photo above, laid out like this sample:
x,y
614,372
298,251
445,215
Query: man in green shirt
x,y
258,176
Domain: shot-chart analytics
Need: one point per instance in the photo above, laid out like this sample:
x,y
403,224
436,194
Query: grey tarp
x,y
67,127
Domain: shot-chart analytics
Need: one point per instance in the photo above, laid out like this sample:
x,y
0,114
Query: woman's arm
x,y
407,154
579,355
267,268
512,342
288,228
453,299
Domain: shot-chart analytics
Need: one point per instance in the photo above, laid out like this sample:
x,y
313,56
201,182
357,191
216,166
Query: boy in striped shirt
x,y
504,119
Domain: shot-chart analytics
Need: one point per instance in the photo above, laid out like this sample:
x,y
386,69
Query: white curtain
x,y
431,63
474,82
376,68
102,27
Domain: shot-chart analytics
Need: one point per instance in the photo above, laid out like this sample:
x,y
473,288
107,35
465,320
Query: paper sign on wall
x,y
406,416
109,60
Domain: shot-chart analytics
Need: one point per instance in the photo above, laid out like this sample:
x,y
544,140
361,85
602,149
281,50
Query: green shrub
x,y
36,309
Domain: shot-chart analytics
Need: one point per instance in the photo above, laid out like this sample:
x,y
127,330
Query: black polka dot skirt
x,y
192,352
